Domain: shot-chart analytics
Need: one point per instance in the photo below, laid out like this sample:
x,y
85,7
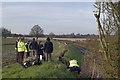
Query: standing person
x,y
21,50
40,51
27,48
34,47
16,48
48,48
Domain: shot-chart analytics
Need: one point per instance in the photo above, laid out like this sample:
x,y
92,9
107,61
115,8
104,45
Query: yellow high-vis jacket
x,y
73,63
27,48
21,46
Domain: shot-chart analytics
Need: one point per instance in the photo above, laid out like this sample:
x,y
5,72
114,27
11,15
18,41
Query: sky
x,y
56,17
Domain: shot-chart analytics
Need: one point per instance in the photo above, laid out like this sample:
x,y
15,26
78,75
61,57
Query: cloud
x,y
0,14
48,0
51,17
45,12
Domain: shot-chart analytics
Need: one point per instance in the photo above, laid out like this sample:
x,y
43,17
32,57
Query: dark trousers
x,y
20,57
50,56
27,54
16,55
34,52
74,68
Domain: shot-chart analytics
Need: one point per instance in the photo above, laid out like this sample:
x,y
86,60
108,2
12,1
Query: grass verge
x,y
48,69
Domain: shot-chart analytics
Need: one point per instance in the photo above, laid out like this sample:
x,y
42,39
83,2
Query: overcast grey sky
x,y
56,17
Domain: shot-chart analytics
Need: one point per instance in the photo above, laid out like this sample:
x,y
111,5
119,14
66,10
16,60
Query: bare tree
x,y
108,19
36,31
51,35
5,32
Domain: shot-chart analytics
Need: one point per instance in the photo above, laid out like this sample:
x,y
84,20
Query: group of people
x,y
33,49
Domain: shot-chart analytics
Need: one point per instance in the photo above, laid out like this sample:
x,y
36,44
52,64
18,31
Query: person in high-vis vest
x,y
73,66
16,48
27,49
21,50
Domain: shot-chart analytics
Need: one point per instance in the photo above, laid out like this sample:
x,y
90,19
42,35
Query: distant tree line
x,y
37,31
5,32
72,35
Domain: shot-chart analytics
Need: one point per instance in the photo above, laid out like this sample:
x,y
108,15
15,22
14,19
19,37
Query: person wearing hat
x,y
21,50
16,48
48,48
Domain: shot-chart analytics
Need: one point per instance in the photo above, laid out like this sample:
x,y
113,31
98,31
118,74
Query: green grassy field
x,y
49,69
8,45
74,53
8,51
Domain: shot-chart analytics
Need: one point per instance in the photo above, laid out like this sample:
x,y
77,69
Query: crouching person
x,y
26,64
73,66
31,61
